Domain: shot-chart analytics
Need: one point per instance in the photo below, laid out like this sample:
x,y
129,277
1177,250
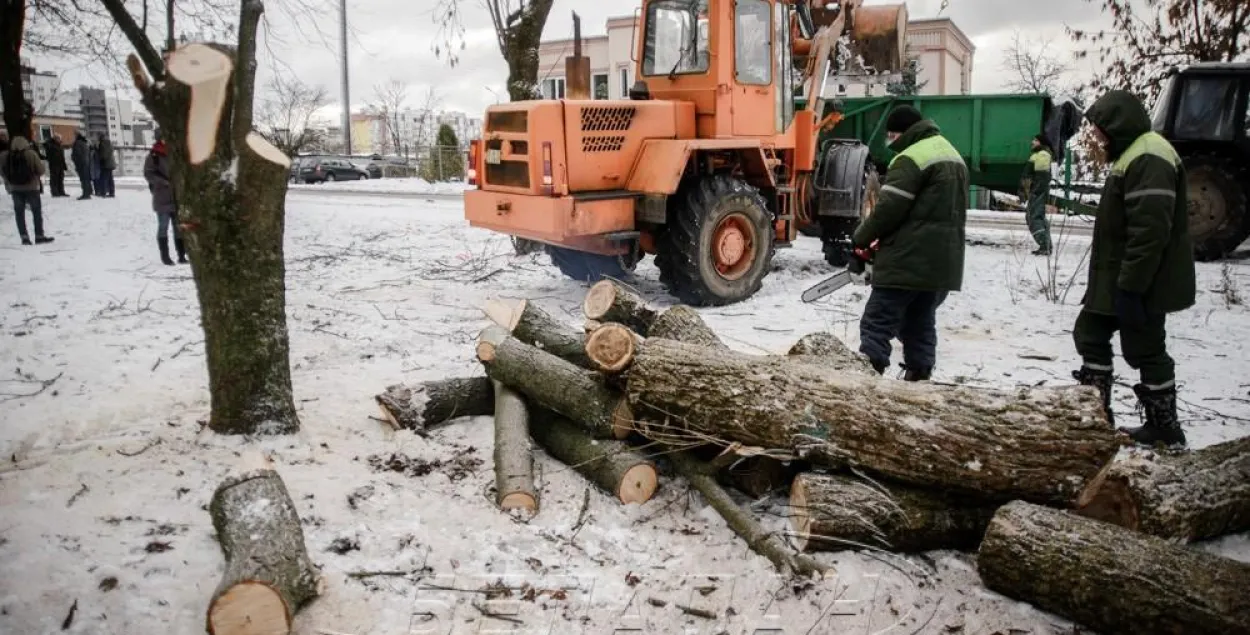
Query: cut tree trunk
x,y
827,350
741,521
1042,444
268,575
231,189
1110,579
611,347
422,406
555,384
17,111
608,301
758,476
1191,496
832,513
514,462
612,465
530,324
683,324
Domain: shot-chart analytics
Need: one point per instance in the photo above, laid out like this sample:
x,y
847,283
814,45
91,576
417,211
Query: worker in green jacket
x,y
1141,265
1035,187
917,227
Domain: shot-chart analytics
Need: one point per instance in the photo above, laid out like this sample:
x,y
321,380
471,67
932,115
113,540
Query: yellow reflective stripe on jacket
x,y
1041,161
926,152
1150,143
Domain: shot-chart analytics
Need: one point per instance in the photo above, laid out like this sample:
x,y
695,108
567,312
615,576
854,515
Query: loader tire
x,y
1218,219
718,243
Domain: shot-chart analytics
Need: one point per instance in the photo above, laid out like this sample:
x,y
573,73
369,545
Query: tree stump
x,y
832,513
612,465
555,384
1041,444
608,301
514,462
268,575
422,406
1110,579
530,324
1191,496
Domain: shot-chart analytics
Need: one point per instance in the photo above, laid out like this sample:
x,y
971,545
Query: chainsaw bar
x,y
827,286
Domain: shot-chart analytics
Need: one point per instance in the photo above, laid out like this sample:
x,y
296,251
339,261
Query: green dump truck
x,y
992,132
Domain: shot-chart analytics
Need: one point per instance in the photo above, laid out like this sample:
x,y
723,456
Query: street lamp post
x,y
347,102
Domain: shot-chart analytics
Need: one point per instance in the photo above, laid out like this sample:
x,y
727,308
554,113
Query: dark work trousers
x,y
910,316
84,179
58,181
1144,348
20,201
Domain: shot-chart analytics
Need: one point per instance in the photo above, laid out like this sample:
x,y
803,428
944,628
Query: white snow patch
x,y
974,465
231,175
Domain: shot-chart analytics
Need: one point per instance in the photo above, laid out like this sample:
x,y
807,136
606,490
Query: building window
x,y
599,86
553,88
752,46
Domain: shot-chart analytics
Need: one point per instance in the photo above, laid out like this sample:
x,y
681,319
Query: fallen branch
x,y
141,450
44,384
688,610
73,499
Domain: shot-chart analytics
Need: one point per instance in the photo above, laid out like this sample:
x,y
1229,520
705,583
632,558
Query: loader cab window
x,y
753,63
676,38
1206,109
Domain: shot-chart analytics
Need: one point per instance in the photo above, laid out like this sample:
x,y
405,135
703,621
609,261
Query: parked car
x,y
322,169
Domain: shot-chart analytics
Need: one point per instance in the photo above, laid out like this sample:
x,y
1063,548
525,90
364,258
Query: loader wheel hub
x,y
733,246
1208,211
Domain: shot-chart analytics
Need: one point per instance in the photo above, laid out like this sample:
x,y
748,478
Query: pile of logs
x,y
1025,476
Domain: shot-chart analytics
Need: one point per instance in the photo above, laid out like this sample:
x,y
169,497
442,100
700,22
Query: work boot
x,y
917,374
1041,251
181,249
163,244
1162,426
879,366
43,240
1100,379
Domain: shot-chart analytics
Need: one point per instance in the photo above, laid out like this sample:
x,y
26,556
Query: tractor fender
x,y
838,182
662,162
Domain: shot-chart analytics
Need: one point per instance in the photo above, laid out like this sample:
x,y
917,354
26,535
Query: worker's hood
x,y
922,129
19,144
1121,117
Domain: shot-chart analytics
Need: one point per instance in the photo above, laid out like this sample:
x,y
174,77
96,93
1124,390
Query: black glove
x,y
1130,308
856,264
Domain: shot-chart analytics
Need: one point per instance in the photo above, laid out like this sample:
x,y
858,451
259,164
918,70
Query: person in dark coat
x,y
108,163
164,203
917,230
1035,188
55,153
80,154
1141,265
22,171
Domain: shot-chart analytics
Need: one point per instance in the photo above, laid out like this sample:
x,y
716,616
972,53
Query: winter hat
x,y
902,118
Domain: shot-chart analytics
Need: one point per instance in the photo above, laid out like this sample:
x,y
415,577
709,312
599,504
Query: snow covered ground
x,y
107,470
411,186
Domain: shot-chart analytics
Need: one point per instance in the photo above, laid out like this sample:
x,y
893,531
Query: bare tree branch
x,y
143,46
1033,68
285,118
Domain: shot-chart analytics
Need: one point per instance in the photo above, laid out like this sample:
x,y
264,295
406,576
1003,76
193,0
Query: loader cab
x,y
726,57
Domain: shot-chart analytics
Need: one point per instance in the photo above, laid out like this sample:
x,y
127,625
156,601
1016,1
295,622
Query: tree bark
x,y
741,521
519,34
611,347
683,324
832,513
514,462
759,476
530,324
612,465
1110,579
17,111
1192,496
608,301
420,407
231,208
555,384
827,350
1042,445
268,575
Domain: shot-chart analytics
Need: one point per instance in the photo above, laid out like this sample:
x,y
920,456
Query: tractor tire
x,y
584,266
1218,220
718,243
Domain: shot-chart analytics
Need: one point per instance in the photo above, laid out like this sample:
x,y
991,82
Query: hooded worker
x,y
1035,186
80,154
917,228
22,171
1141,265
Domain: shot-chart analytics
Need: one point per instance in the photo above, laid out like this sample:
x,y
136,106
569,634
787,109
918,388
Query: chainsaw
x,y
859,272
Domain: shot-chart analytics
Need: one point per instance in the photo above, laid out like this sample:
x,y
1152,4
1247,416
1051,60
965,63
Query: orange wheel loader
x,y
708,166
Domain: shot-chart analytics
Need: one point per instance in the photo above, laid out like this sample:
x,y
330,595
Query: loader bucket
x,y
879,36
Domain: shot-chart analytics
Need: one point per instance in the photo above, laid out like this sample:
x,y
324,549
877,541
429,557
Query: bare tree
x,y
389,102
286,116
518,30
1145,41
202,97
1034,68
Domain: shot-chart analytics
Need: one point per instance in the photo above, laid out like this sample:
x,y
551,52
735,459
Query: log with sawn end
x,y
608,301
612,465
531,324
422,406
514,462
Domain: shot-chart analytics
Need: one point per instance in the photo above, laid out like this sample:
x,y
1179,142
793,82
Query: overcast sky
x,y
393,39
